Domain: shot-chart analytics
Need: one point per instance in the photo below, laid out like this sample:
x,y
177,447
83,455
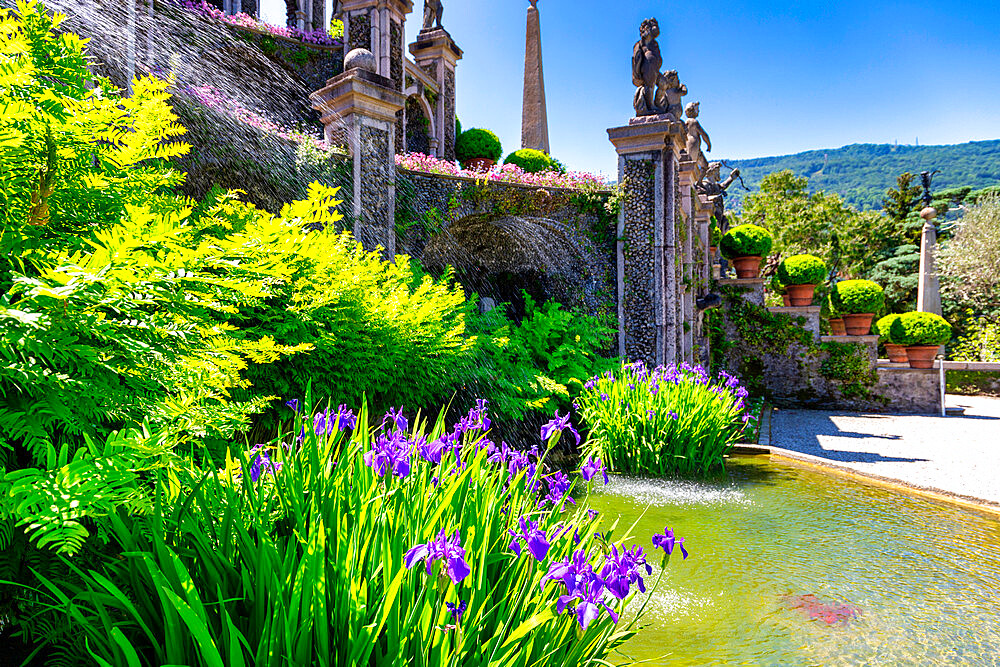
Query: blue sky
x,y
773,77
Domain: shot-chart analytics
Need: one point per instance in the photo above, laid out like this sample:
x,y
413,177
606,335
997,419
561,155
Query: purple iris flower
x,y
558,486
533,537
583,586
558,425
604,397
293,404
431,451
441,548
477,420
457,610
591,467
396,416
624,568
262,463
674,416
346,418
389,452
667,542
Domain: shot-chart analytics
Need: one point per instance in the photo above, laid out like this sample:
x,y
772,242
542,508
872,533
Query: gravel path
x,y
955,455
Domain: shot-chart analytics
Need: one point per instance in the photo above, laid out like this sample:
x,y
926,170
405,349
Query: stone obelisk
x,y
534,117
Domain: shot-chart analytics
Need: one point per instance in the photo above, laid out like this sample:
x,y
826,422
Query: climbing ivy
x,y
849,364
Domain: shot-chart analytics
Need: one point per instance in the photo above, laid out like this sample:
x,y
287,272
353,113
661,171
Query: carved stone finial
x,y
360,59
695,133
534,3
433,11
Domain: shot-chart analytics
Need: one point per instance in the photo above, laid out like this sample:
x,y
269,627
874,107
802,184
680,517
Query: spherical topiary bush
x,y
478,144
746,241
920,329
884,326
801,270
857,296
531,161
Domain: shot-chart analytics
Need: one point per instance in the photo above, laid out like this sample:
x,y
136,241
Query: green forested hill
x,y
861,173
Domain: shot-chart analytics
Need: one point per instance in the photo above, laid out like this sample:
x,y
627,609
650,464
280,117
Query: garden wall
x,y
780,356
502,237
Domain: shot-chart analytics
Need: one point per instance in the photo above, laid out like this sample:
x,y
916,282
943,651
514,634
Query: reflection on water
x,y
792,567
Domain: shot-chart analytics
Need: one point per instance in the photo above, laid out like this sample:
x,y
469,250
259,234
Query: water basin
x,y
790,566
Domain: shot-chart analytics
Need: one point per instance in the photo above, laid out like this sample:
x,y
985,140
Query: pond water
x,y
789,566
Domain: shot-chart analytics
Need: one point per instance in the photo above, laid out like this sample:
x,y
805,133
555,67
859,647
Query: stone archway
x,y
419,126
497,258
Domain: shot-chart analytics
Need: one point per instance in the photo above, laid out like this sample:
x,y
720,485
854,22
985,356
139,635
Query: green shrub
x,y
714,235
541,364
531,161
475,143
262,562
746,241
458,127
920,329
884,326
857,296
776,285
662,422
802,270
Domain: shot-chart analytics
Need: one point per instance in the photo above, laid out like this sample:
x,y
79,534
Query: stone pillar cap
x,y
435,43
648,135
361,92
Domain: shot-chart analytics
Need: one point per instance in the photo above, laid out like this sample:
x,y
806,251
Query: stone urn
x,y
747,267
922,356
801,295
837,327
786,299
480,164
897,353
858,324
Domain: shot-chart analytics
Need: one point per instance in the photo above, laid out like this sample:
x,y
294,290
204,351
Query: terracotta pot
x,y
897,353
480,164
921,356
837,327
746,267
801,295
787,299
858,324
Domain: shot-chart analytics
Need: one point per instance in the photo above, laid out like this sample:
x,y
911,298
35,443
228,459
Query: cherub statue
x,y
669,91
710,187
646,64
433,11
695,132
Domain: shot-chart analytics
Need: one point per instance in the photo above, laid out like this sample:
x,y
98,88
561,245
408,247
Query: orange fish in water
x,y
830,613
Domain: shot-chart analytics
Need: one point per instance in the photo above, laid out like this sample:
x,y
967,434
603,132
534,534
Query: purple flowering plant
x,y
663,421
443,523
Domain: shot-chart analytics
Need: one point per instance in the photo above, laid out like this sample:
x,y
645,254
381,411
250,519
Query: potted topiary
x,y
745,246
778,288
478,150
896,352
835,319
532,161
800,274
858,301
714,237
923,334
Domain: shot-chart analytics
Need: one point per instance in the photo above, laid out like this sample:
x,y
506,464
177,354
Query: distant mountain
x,y
861,173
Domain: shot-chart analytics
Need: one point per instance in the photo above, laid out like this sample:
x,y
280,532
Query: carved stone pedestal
x,y
437,54
358,108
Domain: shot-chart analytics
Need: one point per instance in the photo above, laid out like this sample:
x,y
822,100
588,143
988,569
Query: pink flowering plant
x,y
374,541
214,99
242,20
509,173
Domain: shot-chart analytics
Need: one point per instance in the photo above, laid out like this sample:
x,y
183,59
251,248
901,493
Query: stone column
x,y
534,115
929,288
690,273
437,54
650,311
358,108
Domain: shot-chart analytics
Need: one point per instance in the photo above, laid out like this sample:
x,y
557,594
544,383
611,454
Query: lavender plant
x,y
342,543
671,420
